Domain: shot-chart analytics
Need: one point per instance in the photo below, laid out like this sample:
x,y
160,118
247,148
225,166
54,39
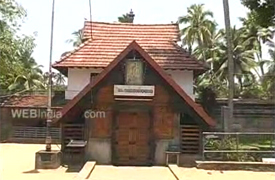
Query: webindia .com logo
x,y
53,114
35,114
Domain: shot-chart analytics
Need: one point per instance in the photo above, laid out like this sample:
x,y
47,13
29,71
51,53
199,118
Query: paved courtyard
x,y
17,163
200,174
131,173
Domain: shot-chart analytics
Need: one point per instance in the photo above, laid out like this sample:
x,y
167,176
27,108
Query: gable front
x,y
155,76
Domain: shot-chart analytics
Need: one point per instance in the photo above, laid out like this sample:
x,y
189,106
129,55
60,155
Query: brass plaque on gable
x,y
134,72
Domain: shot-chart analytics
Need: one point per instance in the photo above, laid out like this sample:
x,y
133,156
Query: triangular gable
x,y
134,46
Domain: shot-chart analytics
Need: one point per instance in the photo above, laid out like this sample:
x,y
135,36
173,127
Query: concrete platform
x,y
172,172
102,172
86,171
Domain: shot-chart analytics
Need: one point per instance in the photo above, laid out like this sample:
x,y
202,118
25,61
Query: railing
x,y
35,132
238,146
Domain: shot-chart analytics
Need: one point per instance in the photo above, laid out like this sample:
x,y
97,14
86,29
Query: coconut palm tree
x,y
269,76
212,49
77,39
59,79
230,62
255,36
30,80
243,59
199,25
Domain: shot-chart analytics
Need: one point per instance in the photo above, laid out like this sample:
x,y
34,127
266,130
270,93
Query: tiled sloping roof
x,y
76,101
32,101
26,101
158,32
109,39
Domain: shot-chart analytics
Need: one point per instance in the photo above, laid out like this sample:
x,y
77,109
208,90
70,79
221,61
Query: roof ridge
x,y
131,24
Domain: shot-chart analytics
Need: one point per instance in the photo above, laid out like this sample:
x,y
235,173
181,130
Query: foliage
x,y
58,81
264,10
78,38
228,143
208,43
199,26
208,99
126,18
18,70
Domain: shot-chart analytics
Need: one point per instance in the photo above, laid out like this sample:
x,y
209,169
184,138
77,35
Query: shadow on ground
x,y
34,171
73,168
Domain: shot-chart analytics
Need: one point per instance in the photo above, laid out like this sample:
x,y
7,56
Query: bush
x,y
228,143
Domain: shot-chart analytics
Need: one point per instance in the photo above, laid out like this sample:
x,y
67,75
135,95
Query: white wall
x,y
78,78
184,80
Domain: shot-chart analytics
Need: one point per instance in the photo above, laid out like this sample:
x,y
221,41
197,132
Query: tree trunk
x,y
230,59
202,48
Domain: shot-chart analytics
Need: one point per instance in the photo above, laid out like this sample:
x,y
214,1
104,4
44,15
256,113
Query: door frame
x,y
151,131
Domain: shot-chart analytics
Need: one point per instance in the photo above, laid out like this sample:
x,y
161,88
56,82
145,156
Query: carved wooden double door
x,y
132,143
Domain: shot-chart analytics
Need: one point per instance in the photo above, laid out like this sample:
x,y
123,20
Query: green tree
x,y
10,13
255,36
127,18
31,79
243,58
15,51
124,19
264,11
199,27
269,76
77,39
59,79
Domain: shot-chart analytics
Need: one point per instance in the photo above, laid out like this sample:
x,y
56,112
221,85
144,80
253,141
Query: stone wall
x,y
251,115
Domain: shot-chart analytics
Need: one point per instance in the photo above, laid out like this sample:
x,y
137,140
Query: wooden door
x,y
132,138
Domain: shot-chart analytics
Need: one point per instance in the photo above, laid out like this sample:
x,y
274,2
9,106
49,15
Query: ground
x,y
17,162
131,173
200,174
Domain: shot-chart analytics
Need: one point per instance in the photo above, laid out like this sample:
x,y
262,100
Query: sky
x,y
70,16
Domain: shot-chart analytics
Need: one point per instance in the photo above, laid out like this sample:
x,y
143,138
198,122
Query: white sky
x,y
70,15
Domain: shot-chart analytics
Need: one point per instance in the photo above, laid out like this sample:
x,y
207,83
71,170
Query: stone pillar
x,y
47,159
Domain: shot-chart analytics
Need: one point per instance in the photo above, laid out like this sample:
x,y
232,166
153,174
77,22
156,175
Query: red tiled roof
x,y
26,101
158,32
110,39
135,46
32,101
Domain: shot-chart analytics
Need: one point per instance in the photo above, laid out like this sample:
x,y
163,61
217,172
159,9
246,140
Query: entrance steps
x,y
109,172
